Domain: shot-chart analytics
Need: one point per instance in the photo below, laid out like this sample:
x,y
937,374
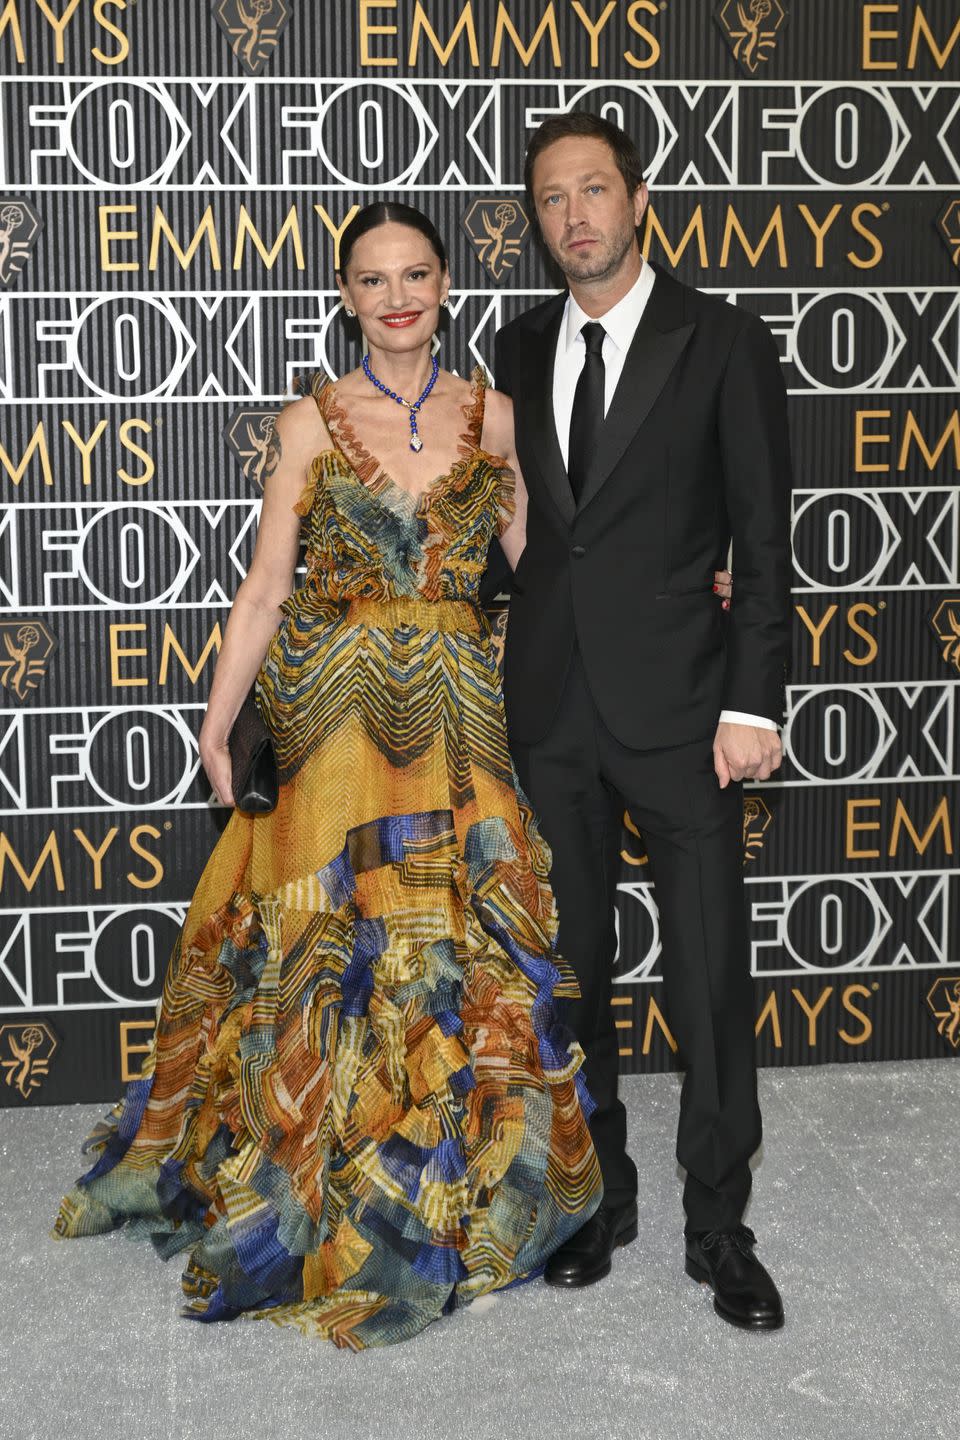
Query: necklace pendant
x,y
416,443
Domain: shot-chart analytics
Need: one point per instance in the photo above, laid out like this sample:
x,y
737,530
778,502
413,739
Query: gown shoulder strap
x,y
473,411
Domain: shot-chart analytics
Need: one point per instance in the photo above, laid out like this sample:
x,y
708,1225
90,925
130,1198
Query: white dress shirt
x,y
620,324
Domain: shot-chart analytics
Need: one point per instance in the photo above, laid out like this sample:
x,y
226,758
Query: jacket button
x,y
578,552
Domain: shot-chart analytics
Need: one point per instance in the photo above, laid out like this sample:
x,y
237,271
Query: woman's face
x,y
395,283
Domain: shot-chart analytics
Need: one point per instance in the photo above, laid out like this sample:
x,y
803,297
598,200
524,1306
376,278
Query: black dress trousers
x,y
580,779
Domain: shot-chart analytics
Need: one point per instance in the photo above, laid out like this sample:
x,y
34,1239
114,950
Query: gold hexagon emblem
x,y
498,231
943,1000
945,623
249,433
25,650
949,227
756,822
20,225
25,1053
253,28
751,28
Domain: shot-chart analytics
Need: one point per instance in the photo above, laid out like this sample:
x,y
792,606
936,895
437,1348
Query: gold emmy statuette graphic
x,y
497,615
945,623
249,434
19,227
949,227
756,822
253,28
944,1003
751,29
498,231
25,1052
25,648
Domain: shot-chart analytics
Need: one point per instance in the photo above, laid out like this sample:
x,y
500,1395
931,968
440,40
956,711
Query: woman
x,y
360,1110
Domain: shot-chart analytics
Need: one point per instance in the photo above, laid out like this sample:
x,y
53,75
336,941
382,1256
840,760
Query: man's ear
x,y
641,199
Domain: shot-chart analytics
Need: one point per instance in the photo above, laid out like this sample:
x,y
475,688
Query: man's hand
x,y
723,586
745,752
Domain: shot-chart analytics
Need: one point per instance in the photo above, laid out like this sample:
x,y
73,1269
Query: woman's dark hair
x,y
385,212
579,122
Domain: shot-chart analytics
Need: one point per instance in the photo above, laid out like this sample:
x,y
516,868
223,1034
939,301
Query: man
x,y
651,430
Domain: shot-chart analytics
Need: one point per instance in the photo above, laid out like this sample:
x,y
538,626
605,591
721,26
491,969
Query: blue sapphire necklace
x,y
415,442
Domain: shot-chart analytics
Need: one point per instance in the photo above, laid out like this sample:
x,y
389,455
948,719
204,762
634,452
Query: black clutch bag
x,y
253,760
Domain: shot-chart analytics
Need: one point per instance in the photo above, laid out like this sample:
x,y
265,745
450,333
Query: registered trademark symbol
x,y
168,824
882,605
875,985
885,205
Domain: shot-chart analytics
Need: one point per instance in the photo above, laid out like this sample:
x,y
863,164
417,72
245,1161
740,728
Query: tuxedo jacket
x,y
693,451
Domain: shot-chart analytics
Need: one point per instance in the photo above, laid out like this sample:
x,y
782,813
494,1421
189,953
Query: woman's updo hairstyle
x,y
385,212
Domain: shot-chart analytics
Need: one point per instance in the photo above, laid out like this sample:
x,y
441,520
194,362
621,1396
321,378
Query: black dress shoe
x,y
743,1292
585,1257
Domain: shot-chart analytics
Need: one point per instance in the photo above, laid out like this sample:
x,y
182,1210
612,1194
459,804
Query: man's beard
x,y
597,266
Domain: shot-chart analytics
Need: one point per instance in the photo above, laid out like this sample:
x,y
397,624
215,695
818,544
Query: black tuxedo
x,y
693,449
618,663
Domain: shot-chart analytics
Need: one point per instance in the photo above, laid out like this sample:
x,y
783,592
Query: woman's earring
x,y
351,313
444,304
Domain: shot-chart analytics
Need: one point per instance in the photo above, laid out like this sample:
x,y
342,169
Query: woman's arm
x,y
298,436
498,438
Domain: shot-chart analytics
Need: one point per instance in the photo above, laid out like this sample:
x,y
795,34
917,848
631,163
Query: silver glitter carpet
x,y
855,1202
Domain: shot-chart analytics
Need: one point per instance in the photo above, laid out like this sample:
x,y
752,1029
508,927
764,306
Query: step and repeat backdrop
x,y
174,177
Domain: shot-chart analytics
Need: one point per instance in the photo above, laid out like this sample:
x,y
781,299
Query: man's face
x,y
587,218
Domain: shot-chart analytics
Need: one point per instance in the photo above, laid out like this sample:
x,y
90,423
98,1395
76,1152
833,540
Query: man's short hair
x,y
580,122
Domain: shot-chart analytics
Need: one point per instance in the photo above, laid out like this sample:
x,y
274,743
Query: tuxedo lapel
x,y
660,340
546,447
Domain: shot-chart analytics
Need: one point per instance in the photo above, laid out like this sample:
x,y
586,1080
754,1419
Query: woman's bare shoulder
x,y
300,426
299,416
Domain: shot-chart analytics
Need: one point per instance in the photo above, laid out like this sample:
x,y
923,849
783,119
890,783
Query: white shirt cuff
x,y
737,717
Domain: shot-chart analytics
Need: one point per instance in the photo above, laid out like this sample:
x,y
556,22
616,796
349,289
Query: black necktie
x,y
587,415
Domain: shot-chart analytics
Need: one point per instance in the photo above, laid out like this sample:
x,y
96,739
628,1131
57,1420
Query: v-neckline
x,y
371,473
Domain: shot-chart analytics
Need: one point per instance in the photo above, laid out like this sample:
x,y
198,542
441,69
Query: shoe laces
x,y
741,1238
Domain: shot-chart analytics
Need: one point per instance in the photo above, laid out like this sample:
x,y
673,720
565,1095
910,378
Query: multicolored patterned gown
x,y
361,1110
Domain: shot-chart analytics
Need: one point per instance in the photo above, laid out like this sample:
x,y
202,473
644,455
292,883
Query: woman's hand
x,y
723,584
215,758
